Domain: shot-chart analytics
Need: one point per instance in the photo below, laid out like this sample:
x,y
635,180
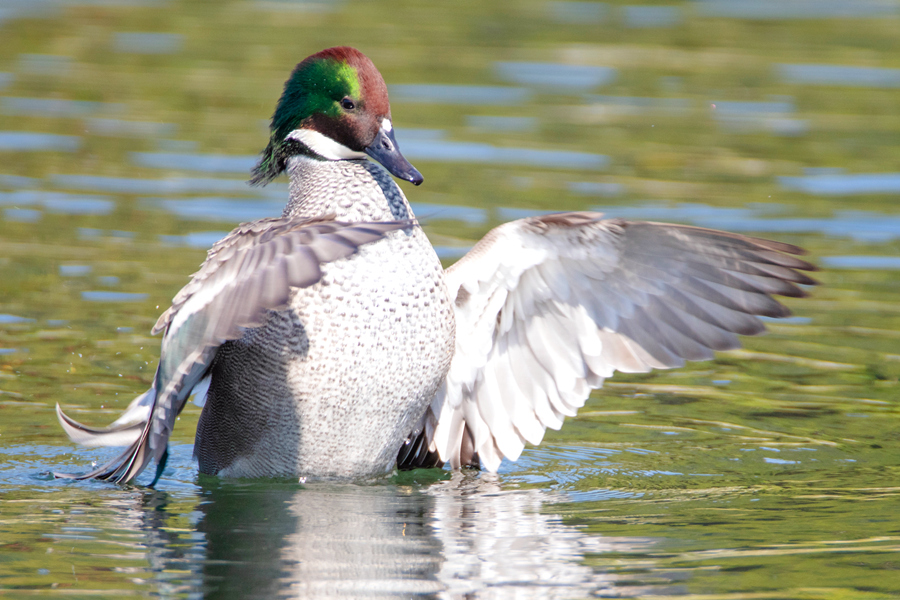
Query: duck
x,y
330,343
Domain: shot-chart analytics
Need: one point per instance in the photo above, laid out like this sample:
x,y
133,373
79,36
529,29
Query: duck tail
x,y
131,430
124,431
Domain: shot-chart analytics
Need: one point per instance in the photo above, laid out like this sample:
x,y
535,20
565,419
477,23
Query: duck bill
x,y
385,150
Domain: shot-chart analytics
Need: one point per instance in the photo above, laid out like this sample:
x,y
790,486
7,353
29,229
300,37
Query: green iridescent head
x,y
334,107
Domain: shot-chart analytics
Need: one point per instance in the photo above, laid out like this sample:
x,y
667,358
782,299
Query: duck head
x,y
334,107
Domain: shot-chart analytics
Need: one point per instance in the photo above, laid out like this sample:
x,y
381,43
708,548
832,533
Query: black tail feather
x,y
414,454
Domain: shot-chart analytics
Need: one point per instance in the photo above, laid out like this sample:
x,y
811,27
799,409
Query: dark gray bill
x,y
384,149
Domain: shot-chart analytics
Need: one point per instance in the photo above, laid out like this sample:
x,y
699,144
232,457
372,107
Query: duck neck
x,y
353,190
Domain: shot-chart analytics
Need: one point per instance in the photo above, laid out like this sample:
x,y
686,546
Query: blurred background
x,y
128,129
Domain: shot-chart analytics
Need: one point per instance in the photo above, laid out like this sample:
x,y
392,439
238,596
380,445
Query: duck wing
x,y
250,271
548,307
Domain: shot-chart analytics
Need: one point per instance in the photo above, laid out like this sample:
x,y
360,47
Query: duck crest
x,y
337,93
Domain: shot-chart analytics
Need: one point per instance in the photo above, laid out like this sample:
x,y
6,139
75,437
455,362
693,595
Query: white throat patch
x,y
323,145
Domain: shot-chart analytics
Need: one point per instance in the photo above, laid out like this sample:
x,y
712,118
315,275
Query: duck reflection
x,y
460,538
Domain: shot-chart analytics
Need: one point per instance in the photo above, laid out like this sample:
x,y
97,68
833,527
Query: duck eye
x,y
347,104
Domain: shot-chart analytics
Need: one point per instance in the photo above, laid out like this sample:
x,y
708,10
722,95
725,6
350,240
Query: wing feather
x,y
246,274
548,307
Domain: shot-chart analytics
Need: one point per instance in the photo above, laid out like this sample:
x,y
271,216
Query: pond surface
x,y
127,129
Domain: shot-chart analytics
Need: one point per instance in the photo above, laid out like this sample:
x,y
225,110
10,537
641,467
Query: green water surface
x,y
768,473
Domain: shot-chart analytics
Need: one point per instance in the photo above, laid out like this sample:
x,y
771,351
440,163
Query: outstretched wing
x,y
250,271
548,307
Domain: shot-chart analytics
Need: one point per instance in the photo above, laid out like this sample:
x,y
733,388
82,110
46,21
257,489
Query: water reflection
x,y
14,319
22,215
310,6
148,43
474,152
841,75
494,123
121,128
596,188
58,202
634,105
183,146
20,198
556,76
218,209
18,182
39,64
796,9
466,214
831,183
105,296
751,117
457,94
75,270
52,107
465,536
578,13
25,141
72,204
208,163
455,538
451,252
652,16
181,185
501,540
862,262
199,239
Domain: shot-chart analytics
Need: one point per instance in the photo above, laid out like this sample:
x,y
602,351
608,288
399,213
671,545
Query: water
x,y
558,78
127,130
25,141
577,13
123,128
44,64
754,117
493,123
106,296
46,107
180,185
862,262
458,94
479,153
797,9
849,184
630,105
217,209
207,163
75,270
148,43
840,75
652,16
